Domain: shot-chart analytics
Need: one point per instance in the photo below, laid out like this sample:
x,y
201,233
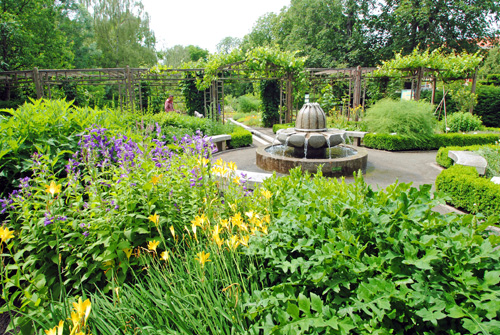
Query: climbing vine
x,y
449,66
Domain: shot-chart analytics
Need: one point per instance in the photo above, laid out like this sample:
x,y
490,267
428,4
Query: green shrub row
x,y
469,191
278,126
400,143
240,137
442,154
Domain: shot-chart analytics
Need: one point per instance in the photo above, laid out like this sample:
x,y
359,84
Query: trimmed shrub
x,y
400,143
469,191
278,126
240,137
270,95
488,105
405,118
461,122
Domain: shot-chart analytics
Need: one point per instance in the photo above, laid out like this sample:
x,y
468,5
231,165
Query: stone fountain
x,y
309,145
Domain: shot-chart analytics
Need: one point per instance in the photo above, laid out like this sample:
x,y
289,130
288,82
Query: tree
x,y
30,35
174,57
492,62
403,25
262,34
196,53
122,33
228,44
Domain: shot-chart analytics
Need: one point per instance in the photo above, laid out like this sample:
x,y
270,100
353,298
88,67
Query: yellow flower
x,y
251,214
172,231
267,194
156,179
127,252
219,241
53,188
203,258
57,330
232,166
6,234
264,229
165,256
267,219
199,220
224,223
244,240
203,161
233,207
152,245
154,218
236,179
237,219
82,308
233,242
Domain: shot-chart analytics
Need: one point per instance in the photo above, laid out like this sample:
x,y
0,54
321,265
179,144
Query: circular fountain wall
x,y
311,144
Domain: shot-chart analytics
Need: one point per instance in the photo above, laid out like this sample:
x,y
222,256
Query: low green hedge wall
x,y
469,191
278,126
240,138
442,154
400,143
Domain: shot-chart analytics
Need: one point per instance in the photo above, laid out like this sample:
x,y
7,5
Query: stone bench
x,y
468,158
220,141
358,135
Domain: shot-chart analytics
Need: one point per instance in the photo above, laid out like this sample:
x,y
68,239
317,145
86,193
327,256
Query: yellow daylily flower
x,y
165,256
233,242
156,179
232,166
244,240
219,241
203,258
267,219
236,179
224,223
266,193
219,162
53,188
57,330
236,219
264,229
152,245
6,234
199,220
233,207
128,252
172,231
82,308
75,318
155,218
203,161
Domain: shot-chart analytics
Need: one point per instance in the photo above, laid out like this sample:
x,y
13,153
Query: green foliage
x,y
343,259
488,105
461,122
493,79
248,103
46,126
405,118
399,143
240,137
194,98
492,62
278,126
492,156
451,66
469,191
270,95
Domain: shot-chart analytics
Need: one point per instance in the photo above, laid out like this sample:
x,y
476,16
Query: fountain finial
x,y
311,118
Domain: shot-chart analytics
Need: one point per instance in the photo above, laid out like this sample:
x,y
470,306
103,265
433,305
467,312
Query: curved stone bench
x,y
358,135
220,141
468,158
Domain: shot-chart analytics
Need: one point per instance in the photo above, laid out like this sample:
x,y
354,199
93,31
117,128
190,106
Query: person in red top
x,y
169,104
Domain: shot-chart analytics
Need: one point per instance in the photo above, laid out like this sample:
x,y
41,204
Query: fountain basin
x,y
334,167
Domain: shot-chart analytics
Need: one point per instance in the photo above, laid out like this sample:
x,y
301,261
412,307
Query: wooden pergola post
x,y
289,98
356,98
473,88
420,72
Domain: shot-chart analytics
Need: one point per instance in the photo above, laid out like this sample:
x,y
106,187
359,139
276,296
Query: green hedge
x,y
488,105
442,154
400,143
469,191
240,138
278,126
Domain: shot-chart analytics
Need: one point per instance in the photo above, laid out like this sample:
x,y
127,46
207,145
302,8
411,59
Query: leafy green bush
x,y
343,259
400,143
248,104
240,137
492,156
461,122
488,105
270,95
405,118
469,191
46,126
278,126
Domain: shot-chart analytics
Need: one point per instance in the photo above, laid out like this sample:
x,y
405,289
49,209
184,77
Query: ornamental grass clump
x,y
406,118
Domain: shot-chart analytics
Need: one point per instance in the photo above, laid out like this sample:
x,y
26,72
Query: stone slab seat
x,y
220,141
358,135
468,158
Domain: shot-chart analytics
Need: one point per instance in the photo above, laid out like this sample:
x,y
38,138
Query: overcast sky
x,y
205,23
